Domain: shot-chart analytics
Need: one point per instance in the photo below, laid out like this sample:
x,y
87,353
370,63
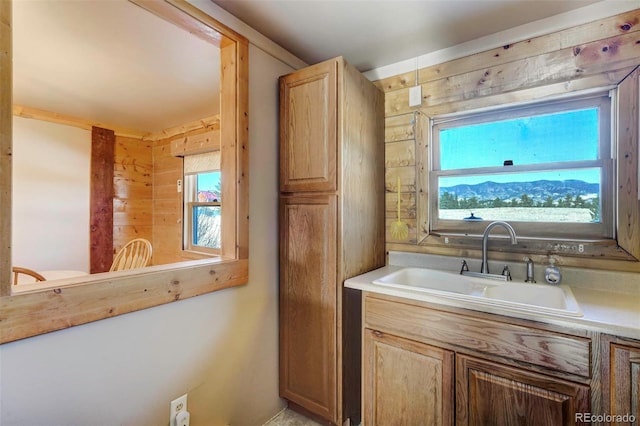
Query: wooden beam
x,y
69,120
5,147
211,122
202,26
101,205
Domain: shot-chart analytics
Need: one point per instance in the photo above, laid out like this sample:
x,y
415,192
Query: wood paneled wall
x,y
133,195
167,204
593,55
167,201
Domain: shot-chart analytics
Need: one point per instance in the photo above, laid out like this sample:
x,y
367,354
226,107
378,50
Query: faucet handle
x,y
464,267
506,272
530,278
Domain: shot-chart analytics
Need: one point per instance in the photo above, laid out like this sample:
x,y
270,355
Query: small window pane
x,y
206,226
564,136
557,196
209,187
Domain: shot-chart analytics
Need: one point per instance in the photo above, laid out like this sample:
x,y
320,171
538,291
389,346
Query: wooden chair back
x,y
135,254
17,270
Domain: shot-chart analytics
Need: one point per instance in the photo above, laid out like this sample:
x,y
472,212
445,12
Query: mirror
x,y
64,58
80,300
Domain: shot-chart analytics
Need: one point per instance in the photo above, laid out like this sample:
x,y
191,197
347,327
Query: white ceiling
x,y
374,33
113,62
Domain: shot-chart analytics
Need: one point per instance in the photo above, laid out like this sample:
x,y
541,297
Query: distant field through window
x,y
547,169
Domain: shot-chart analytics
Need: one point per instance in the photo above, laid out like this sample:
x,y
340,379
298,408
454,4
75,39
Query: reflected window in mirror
x,y
202,231
93,297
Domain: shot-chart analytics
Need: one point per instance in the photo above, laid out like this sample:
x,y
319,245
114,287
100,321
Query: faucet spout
x,y
485,239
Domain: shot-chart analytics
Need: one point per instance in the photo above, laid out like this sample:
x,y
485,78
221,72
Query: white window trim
x,y
190,194
532,230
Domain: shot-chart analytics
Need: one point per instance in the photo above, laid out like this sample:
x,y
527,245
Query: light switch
x,y
415,96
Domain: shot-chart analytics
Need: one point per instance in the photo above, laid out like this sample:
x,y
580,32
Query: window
x,y
202,203
546,168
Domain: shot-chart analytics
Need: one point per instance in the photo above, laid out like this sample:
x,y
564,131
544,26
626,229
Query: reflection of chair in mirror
x,y
135,254
17,270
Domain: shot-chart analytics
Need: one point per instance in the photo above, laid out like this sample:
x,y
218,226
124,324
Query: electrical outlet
x,y
178,406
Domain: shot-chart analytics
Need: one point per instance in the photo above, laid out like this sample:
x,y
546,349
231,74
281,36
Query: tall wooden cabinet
x,y
331,228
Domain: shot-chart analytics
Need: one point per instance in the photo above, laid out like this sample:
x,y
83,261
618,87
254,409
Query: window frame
x,y
603,230
80,301
191,193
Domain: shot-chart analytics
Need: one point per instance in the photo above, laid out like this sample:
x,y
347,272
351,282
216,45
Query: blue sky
x,y
208,181
564,136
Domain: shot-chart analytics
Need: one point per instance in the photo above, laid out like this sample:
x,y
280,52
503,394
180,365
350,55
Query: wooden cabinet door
x,y
406,383
492,394
625,381
308,129
308,291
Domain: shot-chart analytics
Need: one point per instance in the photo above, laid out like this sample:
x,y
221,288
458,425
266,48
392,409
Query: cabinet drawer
x,y
555,351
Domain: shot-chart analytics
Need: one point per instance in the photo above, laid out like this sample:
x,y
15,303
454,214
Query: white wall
x,y
221,348
51,181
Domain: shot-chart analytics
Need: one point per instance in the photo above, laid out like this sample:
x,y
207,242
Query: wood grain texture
x,y
242,149
332,143
360,217
167,204
308,129
599,54
5,147
489,393
229,143
622,377
554,351
101,199
203,26
198,142
26,315
625,23
361,170
308,315
133,193
406,382
628,195
537,70
68,120
211,123
625,367
399,128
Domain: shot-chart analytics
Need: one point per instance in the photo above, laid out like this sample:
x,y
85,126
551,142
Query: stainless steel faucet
x,y
485,238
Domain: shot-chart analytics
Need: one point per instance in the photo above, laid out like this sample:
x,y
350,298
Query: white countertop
x,y
605,310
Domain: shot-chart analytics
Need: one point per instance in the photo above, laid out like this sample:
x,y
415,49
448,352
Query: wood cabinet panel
x,y
308,129
308,355
625,381
555,351
489,393
406,383
331,229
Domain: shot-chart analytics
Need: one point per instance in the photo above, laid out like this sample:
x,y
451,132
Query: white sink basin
x,y
433,280
529,294
509,295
